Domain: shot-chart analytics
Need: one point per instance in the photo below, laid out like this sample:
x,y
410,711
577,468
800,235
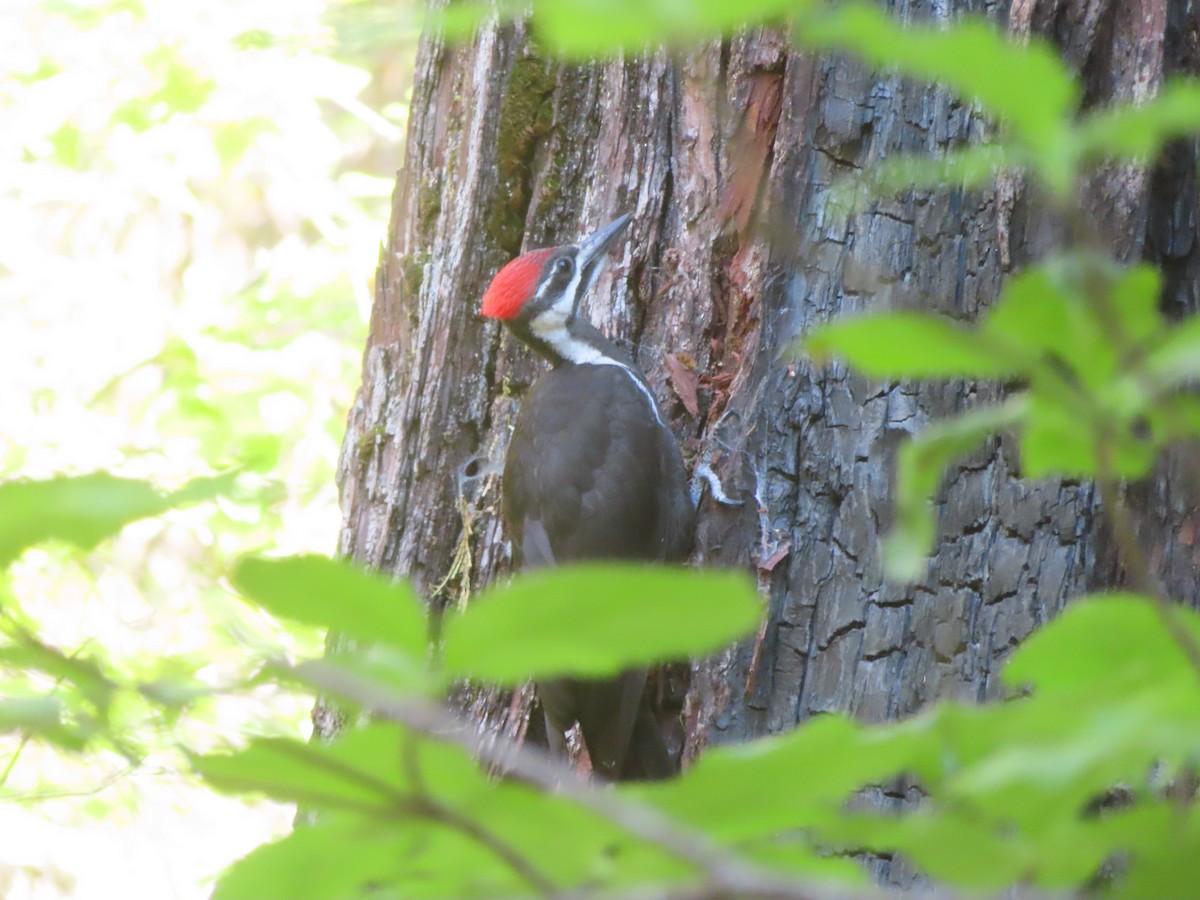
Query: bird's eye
x,y
564,265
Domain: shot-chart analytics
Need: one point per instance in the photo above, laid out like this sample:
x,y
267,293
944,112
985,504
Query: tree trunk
x,y
724,157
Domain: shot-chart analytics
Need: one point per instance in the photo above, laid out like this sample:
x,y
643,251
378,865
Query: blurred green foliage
x,y
1103,369
1082,780
192,196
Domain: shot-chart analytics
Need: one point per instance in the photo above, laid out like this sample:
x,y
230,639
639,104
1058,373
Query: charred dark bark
x,y
723,156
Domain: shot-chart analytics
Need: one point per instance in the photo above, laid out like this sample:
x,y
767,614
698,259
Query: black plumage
x,y
590,464
592,473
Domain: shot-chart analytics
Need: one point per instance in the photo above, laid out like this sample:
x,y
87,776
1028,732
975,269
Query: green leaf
x,y
568,843
68,146
82,511
1076,750
908,345
1174,417
1065,439
1135,295
182,88
34,713
231,140
1080,310
595,620
1057,440
205,488
1138,131
799,779
42,716
361,772
795,856
1163,840
1040,313
337,595
1027,86
959,849
83,673
579,29
328,860
1177,356
920,465
1114,637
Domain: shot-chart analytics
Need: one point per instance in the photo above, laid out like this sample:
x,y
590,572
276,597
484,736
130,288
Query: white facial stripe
x,y
566,299
566,303
552,329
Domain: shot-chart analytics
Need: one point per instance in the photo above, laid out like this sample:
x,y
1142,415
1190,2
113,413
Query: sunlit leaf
x,y
583,28
255,39
68,146
182,88
337,595
205,488
596,620
231,140
361,772
908,345
328,860
82,511
41,716
920,466
570,844
27,652
795,855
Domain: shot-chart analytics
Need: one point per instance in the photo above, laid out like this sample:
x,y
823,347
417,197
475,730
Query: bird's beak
x,y
591,253
593,247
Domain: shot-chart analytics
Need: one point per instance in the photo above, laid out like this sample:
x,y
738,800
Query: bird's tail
x,y
648,758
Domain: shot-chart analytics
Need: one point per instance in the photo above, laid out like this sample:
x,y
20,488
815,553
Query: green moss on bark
x,y
526,114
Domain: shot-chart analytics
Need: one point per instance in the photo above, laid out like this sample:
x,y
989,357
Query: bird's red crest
x,y
513,285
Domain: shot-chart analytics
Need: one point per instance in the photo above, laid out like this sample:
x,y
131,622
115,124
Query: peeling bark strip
x,y
507,151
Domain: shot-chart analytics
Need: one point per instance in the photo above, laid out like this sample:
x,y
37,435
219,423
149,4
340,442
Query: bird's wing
x,y
585,461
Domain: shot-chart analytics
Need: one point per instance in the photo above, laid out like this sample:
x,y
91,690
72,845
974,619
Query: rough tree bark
x,y
724,157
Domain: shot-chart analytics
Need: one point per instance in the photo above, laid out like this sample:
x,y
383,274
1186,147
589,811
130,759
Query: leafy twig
x,y
420,803
1120,525
726,873
425,804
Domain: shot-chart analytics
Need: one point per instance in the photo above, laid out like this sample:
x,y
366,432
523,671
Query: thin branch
x,y
26,737
727,874
1120,525
103,785
1097,282
430,809
425,804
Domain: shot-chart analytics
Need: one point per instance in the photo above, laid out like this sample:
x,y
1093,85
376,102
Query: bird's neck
x,y
572,341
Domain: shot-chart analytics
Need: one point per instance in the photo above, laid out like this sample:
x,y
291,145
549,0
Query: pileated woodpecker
x,y
592,473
